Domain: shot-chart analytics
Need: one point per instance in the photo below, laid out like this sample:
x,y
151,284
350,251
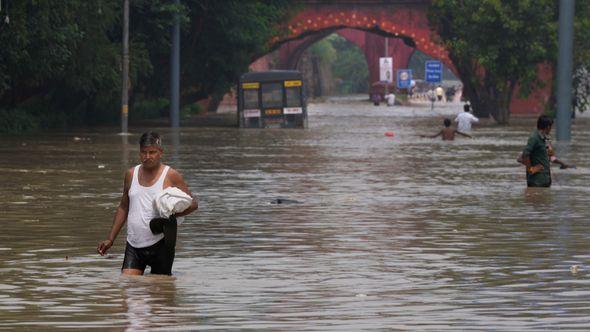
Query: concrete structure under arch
x,y
371,44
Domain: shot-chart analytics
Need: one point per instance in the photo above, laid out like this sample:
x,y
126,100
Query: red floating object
x,y
389,134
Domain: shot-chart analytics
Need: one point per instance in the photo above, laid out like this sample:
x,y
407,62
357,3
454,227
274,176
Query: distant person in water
x,y
447,133
551,153
465,119
535,155
390,98
439,92
376,98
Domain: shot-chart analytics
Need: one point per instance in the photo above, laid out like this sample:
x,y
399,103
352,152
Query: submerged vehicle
x,y
272,99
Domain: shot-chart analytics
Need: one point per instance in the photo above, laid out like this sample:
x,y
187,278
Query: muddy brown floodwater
x,y
392,233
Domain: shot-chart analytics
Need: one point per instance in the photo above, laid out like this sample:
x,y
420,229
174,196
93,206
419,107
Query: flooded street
x,y
392,233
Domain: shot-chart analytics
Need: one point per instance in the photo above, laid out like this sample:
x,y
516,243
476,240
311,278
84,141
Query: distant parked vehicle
x,y
272,99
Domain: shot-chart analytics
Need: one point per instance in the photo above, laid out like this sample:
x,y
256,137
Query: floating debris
x,y
285,201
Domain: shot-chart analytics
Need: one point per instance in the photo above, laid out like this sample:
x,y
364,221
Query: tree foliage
x,y
223,39
350,66
495,45
57,54
65,56
581,79
346,61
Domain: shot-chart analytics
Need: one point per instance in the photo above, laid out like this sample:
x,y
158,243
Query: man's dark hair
x,y
447,122
466,107
150,138
544,122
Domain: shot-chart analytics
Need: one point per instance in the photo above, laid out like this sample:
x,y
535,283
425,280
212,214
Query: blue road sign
x,y
433,71
404,78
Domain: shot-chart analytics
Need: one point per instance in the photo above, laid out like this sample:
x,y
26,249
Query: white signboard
x,y
386,69
251,113
293,110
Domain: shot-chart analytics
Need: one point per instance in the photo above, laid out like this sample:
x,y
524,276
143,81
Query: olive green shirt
x,y
536,149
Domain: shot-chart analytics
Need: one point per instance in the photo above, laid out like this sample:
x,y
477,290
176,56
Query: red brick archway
x,y
399,20
404,21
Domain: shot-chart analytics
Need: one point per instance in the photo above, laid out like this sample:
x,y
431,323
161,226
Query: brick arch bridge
x,y
366,23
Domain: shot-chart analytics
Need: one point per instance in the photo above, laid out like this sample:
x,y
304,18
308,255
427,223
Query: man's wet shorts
x,y
157,256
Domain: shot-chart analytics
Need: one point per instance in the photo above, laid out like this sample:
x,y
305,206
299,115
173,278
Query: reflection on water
x,y
392,233
149,302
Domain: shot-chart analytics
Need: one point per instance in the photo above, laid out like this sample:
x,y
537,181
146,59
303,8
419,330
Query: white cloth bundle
x,y
172,200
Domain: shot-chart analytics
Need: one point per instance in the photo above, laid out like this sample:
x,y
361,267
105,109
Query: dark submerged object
x,y
284,201
169,227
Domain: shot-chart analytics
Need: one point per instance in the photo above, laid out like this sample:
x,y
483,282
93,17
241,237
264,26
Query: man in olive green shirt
x,y
535,156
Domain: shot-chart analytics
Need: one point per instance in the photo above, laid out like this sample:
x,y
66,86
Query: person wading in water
x,y
535,155
142,184
447,133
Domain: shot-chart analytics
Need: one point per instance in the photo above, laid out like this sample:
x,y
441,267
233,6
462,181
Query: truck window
x,y
293,96
251,99
272,95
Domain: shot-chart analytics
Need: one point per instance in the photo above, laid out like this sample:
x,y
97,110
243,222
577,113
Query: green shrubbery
x,y
149,109
22,120
190,110
347,62
17,121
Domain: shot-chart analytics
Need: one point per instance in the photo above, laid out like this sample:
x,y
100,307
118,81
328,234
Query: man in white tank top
x,y
142,183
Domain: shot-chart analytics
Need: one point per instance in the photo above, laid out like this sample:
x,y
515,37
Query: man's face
x,y
150,155
547,130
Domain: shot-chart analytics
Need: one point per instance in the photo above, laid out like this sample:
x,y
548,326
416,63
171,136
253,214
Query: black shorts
x,y
158,256
538,185
535,185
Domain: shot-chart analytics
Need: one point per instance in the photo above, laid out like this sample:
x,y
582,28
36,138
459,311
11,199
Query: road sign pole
x,y
125,71
386,49
564,70
175,72
433,74
431,96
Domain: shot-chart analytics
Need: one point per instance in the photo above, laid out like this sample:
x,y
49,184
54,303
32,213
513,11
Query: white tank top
x,y
142,210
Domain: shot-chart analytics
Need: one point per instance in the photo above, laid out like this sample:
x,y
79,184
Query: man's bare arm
x,y
120,216
432,136
463,134
177,181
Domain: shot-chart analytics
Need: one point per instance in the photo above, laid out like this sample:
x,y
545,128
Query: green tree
x,y
222,39
350,65
581,79
60,58
63,58
495,45
346,62
324,50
